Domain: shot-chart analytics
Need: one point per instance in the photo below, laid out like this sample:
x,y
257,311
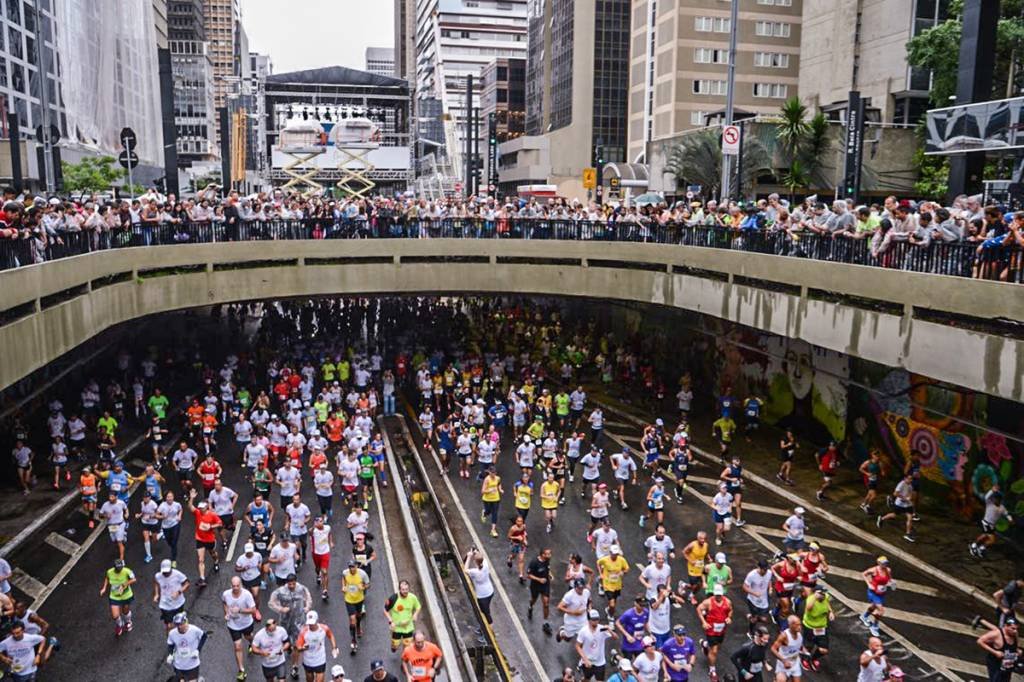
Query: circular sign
x,y
731,134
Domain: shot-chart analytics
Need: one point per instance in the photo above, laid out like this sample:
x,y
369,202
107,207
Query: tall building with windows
x,y
861,45
380,61
221,19
455,39
192,68
577,77
405,39
504,95
679,61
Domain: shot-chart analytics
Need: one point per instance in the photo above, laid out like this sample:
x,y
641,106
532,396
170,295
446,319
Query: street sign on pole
x,y
589,178
128,138
128,159
731,140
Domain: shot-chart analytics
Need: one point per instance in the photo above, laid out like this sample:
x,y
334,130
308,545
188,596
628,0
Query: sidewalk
x,y
941,540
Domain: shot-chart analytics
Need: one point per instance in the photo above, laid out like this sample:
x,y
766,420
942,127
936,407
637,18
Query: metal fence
x,y
961,259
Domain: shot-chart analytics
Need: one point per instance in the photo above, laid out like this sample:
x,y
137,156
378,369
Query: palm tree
x,y
817,147
795,178
697,160
792,129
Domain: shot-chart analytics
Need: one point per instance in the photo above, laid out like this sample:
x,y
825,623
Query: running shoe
x,y
547,629
147,558
241,675
878,520
909,538
740,523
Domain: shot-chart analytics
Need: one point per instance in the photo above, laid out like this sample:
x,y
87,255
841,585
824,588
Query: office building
x,y
504,95
861,45
195,118
160,23
221,19
260,67
381,61
405,39
679,61
577,78
455,39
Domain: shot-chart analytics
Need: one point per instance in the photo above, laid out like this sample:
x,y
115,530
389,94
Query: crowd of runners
x,y
295,404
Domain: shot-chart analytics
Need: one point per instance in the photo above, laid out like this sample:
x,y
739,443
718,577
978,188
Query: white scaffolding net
x,y
109,75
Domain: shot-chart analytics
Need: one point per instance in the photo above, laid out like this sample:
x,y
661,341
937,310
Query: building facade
x,y
221,20
381,61
455,39
679,61
405,39
861,45
577,79
195,118
504,95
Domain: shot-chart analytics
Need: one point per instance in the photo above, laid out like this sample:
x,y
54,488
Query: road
x,y
926,631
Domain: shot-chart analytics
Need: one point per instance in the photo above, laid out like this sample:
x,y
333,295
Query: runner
x,y
150,523
539,575
222,501
291,601
1002,650
249,566
421,660
491,492
600,503
87,486
788,648
902,503
272,645
749,659
239,610
355,583
624,468
995,511
828,464
115,513
787,451
118,581
818,614
401,610
523,493
681,459
184,642
364,554
732,476
169,587
755,587
872,471
206,538
813,567
550,492
259,510
695,553
680,655
210,472
573,448
480,575
715,615
655,503
795,526
297,518
655,574
312,642
721,512
873,662
22,652
786,572
632,625
611,569
722,430
170,513
718,573
574,605
879,581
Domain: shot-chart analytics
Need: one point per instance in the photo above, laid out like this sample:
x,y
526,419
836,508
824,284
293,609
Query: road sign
x,y
589,178
128,138
128,159
731,140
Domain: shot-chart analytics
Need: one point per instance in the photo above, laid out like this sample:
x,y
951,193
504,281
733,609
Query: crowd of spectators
x,y
965,238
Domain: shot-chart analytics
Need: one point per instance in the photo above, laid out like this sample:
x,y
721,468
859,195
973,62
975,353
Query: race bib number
x,y
204,526
419,671
116,487
718,627
818,632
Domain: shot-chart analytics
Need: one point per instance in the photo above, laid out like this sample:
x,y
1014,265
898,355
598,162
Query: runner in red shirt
x,y
206,539
715,614
828,465
209,471
787,573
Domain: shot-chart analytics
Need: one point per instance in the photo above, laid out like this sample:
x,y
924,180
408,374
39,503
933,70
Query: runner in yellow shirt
x,y
612,568
549,494
355,583
696,553
490,493
524,495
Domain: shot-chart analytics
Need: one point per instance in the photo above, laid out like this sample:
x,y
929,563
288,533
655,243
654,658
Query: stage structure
x,y
364,120
302,142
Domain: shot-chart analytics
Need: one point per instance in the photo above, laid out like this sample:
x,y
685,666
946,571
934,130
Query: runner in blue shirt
x,y
633,626
680,655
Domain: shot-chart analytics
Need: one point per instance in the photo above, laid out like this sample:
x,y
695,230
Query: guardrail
x,y
982,260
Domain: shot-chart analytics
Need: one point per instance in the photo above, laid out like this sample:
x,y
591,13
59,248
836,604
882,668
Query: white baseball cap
x,y
165,566
312,618
799,511
615,549
249,547
720,557
337,671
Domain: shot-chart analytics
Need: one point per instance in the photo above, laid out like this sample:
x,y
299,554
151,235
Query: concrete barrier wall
x,y
770,293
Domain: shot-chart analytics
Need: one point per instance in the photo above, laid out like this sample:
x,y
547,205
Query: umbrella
x,y
649,199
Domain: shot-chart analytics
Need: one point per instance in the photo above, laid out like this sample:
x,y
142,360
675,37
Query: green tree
x,y
91,174
938,49
697,160
804,145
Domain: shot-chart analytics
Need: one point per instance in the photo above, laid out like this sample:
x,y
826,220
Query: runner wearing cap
x,y
169,587
624,672
679,655
239,609
249,566
574,606
118,581
206,539
590,645
879,581
795,526
749,659
649,664
813,567
355,583
338,674
421,660
1002,650
718,573
715,615
818,614
786,573
632,625
611,570
656,496
272,645
312,643
184,642
721,512
323,543
378,673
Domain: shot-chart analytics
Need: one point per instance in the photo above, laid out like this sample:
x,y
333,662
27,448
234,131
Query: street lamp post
x,y
729,96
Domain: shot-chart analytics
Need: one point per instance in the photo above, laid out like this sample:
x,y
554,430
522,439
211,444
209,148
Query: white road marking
x,y
936,662
392,570
824,542
921,619
26,583
903,585
887,548
777,511
419,553
58,541
72,561
975,669
516,620
234,541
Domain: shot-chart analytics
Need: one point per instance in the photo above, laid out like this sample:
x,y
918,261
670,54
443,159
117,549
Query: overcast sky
x,y
307,34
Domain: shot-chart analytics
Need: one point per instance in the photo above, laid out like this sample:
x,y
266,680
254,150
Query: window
x,y
709,87
697,118
771,60
772,29
707,55
709,24
774,90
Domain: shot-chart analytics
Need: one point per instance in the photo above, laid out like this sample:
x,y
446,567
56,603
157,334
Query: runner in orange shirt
x,y
206,535
421,660
209,471
87,485
335,427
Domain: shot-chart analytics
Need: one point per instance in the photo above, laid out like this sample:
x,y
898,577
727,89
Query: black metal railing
x,y
961,259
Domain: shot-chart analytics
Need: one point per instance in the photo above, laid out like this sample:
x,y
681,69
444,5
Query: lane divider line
x,y
392,570
779,533
58,541
26,583
904,585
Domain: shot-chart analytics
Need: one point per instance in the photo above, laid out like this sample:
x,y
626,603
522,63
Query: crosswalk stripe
x,y
62,543
26,583
834,544
904,586
963,666
920,619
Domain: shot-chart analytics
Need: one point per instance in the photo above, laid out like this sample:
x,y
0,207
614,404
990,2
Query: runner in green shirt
x,y
367,468
818,614
244,399
343,371
718,573
118,581
262,480
107,423
158,403
322,408
327,370
401,610
562,409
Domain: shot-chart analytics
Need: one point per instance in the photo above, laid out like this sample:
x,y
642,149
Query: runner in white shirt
x,y
115,513
239,607
787,648
603,537
483,587
573,605
184,642
289,479
660,542
222,501
169,589
282,560
721,512
249,566
358,521
312,642
590,645
525,454
299,517
323,483
20,650
272,645
755,587
655,573
323,543
647,665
